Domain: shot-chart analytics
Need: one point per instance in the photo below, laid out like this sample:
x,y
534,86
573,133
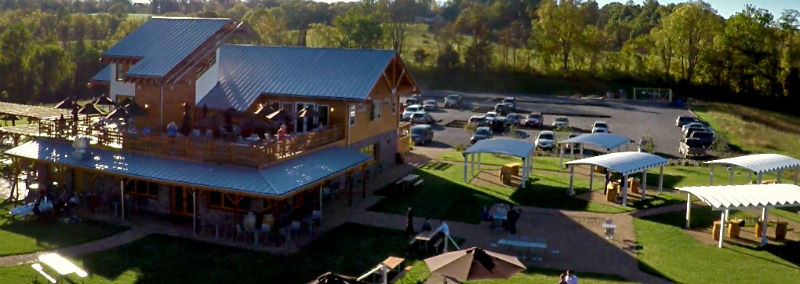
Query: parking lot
x,y
628,118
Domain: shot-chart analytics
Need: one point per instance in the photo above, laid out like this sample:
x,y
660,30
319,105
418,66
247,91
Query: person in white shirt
x,y
571,278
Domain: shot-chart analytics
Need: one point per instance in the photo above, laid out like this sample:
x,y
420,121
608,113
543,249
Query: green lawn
x,y
666,250
539,162
350,249
444,195
548,276
47,232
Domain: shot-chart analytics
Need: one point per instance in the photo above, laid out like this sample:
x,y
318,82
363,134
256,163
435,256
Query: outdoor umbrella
x,y
120,113
307,112
255,124
212,122
474,264
103,101
67,103
264,110
333,278
280,114
12,118
90,109
134,110
234,113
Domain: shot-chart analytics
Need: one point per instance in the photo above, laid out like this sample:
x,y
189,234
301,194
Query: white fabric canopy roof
x,y
747,196
605,140
623,162
760,163
508,146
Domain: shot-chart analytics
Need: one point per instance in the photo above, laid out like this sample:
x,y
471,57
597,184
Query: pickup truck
x,y
692,147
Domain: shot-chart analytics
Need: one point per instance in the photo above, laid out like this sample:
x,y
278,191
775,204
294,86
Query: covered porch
x,y
210,195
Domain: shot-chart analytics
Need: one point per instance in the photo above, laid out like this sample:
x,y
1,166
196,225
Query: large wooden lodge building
x,y
340,107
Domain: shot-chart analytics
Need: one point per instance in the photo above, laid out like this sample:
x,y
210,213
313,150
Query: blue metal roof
x,y
247,71
103,76
161,43
276,181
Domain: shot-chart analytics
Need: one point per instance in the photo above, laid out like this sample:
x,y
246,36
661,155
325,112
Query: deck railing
x,y
242,152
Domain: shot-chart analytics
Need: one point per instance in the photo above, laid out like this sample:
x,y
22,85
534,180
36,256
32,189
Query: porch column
x,y
660,179
710,175
764,215
465,168
730,179
571,191
625,190
644,185
122,198
780,172
350,185
721,228
688,210
591,177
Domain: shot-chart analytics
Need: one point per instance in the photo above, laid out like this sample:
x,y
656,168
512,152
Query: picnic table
x,y
423,238
392,262
61,265
528,246
407,180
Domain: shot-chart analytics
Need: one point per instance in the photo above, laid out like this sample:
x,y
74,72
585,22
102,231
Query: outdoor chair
x,y
608,229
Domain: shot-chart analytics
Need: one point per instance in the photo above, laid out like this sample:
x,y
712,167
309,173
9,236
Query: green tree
x,y
691,27
16,43
560,25
269,25
359,28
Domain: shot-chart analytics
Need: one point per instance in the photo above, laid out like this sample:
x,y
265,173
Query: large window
x,y
142,188
121,70
371,150
376,110
227,201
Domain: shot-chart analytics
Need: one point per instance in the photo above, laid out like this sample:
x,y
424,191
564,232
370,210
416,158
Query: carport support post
x,y
524,171
764,215
778,180
561,156
711,175
749,177
688,210
625,190
796,172
571,192
465,168
644,185
591,177
730,181
660,179
721,228
479,161
760,177
472,165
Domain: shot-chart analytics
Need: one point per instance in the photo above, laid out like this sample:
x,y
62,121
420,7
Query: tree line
x,y
50,48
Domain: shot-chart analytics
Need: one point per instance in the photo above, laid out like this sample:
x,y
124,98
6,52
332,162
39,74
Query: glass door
x,y
304,124
324,112
182,201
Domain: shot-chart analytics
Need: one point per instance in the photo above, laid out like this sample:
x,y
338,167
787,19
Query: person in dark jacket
x,y
513,217
410,221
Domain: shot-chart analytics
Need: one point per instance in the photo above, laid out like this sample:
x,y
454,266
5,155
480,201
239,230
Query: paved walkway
x,y
575,239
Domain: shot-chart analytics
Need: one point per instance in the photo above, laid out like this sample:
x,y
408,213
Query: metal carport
x,y
507,146
625,163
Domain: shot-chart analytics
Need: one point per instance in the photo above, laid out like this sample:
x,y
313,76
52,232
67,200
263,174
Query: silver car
x,y
421,117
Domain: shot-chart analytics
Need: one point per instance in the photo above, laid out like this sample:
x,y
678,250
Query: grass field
x,y
47,232
666,250
539,162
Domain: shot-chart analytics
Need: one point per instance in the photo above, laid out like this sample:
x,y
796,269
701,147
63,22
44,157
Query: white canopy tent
x,y
625,163
728,197
604,140
507,146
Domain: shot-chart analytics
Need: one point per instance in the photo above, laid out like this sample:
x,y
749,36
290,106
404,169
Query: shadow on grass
x,y
670,181
644,267
350,249
541,195
654,201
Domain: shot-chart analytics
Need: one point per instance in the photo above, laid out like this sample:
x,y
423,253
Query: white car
x,y
490,115
545,140
411,110
421,117
561,121
600,127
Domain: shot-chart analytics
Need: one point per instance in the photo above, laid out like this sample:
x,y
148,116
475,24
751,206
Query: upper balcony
x,y
242,152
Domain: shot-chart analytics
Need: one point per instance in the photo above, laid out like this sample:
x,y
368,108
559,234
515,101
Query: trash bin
x,y
633,184
611,195
780,230
758,229
733,229
715,230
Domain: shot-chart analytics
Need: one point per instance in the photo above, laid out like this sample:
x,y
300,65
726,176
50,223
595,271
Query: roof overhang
x,y
747,196
760,163
623,162
603,140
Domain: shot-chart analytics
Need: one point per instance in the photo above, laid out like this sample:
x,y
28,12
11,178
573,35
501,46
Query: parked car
x,y
561,121
571,146
421,134
491,115
480,134
647,145
600,127
691,147
502,109
499,124
534,119
511,102
478,120
414,100
514,119
545,140
422,117
453,101
410,110
430,105
705,137
682,120
693,129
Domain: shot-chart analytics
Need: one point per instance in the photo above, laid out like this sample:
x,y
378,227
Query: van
x,y
421,134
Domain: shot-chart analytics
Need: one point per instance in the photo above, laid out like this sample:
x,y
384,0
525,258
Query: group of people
x,y
512,217
442,231
568,278
46,201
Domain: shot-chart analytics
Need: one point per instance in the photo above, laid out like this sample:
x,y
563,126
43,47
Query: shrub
x,y
461,147
721,144
469,127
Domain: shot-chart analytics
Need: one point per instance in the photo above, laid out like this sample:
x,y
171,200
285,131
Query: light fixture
x,y
331,109
146,106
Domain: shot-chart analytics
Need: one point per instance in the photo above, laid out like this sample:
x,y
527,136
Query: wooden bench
x,y
418,183
401,274
40,270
